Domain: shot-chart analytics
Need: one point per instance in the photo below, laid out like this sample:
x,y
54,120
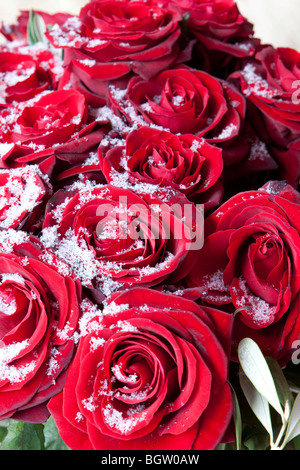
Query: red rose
x,y
50,119
23,196
113,39
149,373
251,260
39,310
116,238
62,163
22,77
183,100
185,163
223,33
271,83
245,158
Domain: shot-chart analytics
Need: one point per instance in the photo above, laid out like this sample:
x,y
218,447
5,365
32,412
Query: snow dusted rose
x,y
115,238
39,312
23,196
61,162
270,84
22,76
183,100
150,373
185,163
223,34
251,260
111,40
52,118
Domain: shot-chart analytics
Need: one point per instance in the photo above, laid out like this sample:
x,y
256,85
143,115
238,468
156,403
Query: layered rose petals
x,y
115,238
147,376
251,259
111,40
39,312
23,196
270,84
223,34
62,163
185,163
184,100
22,77
51,118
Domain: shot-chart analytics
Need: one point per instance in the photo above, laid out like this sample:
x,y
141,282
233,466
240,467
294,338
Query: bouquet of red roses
x,y
149,229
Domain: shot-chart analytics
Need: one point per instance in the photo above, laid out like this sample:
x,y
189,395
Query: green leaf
x,y
257,441
296,442
53,441
36,29
258,404
237,420
293,429
3,432
257,370
281,384
23,436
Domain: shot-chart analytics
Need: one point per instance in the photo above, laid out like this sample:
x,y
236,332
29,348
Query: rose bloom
x,y
183,100
224,35
49,119
22,76
247,158
62,163
271,83
110,40
23,196
185,163
115,238
148,376
39,312
251,264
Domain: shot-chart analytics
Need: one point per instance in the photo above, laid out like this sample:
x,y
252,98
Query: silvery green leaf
x,y
237,421
281,384
258,404
293,428
40,27
257,370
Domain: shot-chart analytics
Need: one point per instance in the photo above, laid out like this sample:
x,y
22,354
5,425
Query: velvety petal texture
x,y
185,163
112,40
251,260
147,375
271,85
115,238
39,313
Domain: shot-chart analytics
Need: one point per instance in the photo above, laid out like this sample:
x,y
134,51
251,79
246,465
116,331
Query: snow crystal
x,y
227,132
25,194
9,238
261,311
124,424
16,374
257,85
9,352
